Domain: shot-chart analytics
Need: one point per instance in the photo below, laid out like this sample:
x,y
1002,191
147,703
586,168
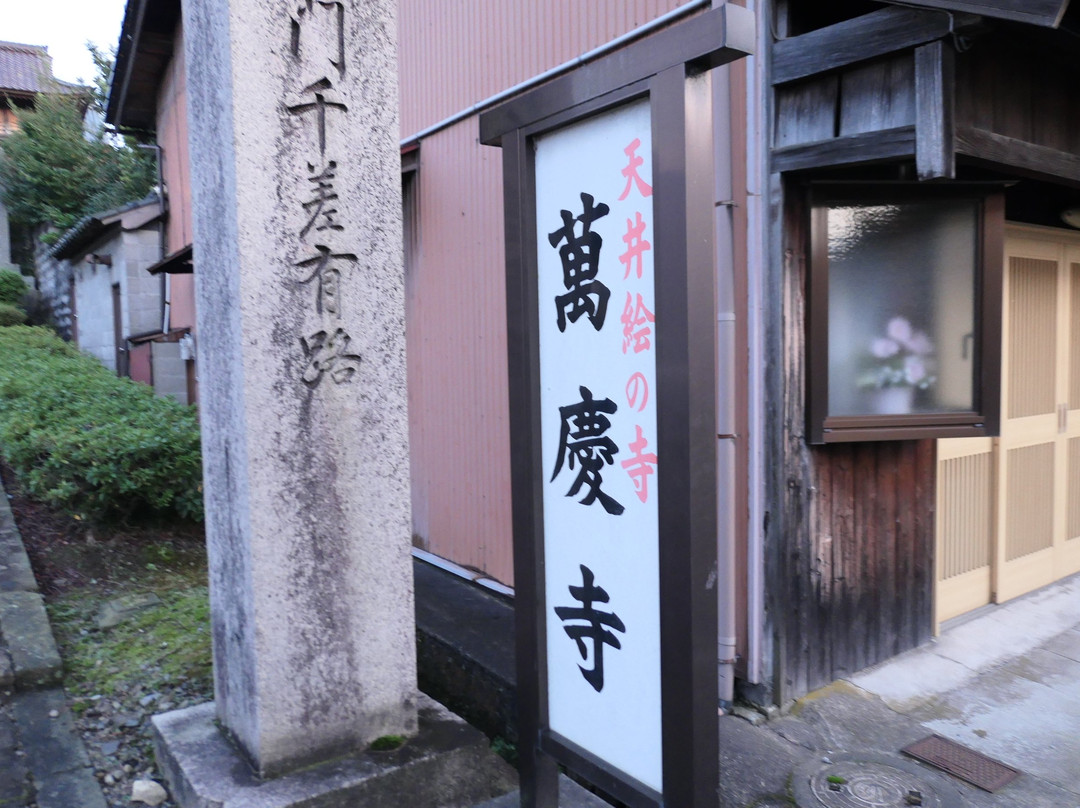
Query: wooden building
x,y
872,543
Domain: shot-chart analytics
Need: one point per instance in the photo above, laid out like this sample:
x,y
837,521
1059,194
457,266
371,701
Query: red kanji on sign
x,y
640,466
635,245
635,319
630,172
637,385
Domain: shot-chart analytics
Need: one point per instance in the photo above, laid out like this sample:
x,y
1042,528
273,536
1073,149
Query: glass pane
x,y
901,307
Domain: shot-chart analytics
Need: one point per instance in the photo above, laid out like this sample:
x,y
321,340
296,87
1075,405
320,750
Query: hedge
x,y
81,439
11,315
12,287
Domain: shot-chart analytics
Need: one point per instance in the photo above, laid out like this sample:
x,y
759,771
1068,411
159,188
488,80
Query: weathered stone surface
x,y
15,572
446,764
15,789
52,745
120,610
7,670
24,627
302,366
69,789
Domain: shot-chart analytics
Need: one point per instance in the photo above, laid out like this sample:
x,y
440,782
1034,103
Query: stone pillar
x,y
301,321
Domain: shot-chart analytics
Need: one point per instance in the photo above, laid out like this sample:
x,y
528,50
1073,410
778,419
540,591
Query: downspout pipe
x,y
726,505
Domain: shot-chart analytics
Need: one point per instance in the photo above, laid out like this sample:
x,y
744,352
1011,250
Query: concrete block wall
x,y
94,305
140,291
170,371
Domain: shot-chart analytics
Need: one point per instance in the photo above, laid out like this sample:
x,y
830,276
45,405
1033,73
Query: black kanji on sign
x,y
581,440
590,626
580,257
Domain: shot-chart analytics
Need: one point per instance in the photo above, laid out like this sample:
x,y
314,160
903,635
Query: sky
x,y
64,26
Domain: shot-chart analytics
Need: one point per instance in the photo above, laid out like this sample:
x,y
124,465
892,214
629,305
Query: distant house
x,y
118,307
147,97
25,71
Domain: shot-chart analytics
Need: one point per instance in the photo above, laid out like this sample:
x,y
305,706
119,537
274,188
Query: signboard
x,y
596,300
611,314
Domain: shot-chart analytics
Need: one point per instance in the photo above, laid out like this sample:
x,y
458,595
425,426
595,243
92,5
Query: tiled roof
x,y
27,69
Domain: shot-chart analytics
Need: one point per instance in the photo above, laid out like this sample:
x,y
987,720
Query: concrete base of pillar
x,y
447,765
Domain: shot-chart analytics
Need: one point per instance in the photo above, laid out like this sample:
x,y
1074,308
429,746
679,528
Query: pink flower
x,y
914,370
899,329
884,347
920,344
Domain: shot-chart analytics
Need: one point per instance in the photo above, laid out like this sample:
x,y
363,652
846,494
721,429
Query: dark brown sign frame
x,y
670,69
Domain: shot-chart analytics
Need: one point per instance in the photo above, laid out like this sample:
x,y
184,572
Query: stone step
x,y
15,572
28,639
447,765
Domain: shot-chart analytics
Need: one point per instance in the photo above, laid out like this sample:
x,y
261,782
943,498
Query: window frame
x,y
981,421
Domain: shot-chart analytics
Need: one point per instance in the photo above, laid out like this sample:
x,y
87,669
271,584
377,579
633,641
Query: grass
x,y
157,646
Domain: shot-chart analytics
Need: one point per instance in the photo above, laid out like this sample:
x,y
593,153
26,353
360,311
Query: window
x,y
904,311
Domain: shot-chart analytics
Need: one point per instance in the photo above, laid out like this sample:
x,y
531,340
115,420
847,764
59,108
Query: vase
x,y
892,400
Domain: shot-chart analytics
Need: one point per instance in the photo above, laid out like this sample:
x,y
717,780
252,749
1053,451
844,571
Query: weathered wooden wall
x,y
851,525
1031,100
867,97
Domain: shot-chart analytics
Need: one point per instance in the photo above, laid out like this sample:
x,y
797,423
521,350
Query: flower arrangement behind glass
x,y
901,358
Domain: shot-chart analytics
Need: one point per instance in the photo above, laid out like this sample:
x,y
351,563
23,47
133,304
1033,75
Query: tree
x,y
53,172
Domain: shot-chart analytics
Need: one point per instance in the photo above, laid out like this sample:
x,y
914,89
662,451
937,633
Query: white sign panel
x,y
597,332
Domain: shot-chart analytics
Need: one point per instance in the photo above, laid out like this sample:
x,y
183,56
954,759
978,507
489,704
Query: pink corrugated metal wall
x,y
457,356
454,53
172,133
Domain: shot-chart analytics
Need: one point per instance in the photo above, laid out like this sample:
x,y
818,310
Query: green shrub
x,y
11,315
81,439
12,287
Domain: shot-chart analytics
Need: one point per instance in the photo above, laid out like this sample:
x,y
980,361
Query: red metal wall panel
x,y
140,364
172,134
454,53
457,355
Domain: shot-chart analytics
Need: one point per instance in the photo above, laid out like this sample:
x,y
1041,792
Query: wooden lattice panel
x,y
1032,349
1072,495
1030,492
967,505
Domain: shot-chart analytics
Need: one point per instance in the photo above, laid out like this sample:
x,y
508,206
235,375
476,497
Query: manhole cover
x,y
858,784
967,764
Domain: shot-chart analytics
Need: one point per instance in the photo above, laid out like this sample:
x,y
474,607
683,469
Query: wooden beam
x,y
1019,156
866,147
1036,12
866,37
935,111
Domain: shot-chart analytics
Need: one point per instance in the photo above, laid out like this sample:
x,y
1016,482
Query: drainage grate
x,y
959,761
